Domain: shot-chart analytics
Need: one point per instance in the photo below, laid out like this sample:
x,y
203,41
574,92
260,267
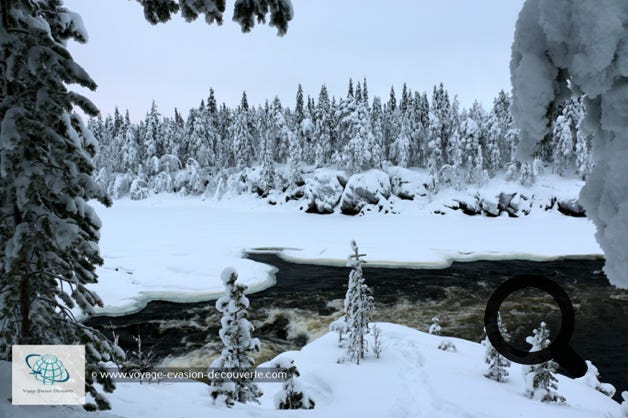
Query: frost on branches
x,y
566,48
48,233
235,333
540,379
358,308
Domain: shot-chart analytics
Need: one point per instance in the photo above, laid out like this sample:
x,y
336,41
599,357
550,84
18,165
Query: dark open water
x,y
306,298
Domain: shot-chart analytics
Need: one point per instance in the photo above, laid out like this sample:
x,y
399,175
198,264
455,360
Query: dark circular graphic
x,y
559,349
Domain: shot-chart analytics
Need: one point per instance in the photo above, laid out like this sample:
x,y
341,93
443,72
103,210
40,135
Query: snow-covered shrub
x,y
591,379
540,379
362,189
154,166
435,327
120,185
139,189
322,191
170,163
235,333
447,345
378,346
163,183
292,395
339,326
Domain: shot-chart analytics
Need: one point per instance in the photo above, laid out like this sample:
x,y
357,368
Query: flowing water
x,y
306,298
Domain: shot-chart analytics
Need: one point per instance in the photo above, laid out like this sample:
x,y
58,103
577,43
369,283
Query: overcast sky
x,y
465,44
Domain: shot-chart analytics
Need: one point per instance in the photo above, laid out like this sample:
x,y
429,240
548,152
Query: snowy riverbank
x,y
173,248
413,378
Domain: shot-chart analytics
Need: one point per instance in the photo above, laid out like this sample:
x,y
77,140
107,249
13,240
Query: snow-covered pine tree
x,y
360,152
323,129
400,148
434,151
540,379
497,364
267,170
48,233
242,136
235,333
292,395
441,108
358,308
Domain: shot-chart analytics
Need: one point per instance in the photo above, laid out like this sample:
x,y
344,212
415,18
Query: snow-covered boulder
x,y
406,184
571,208
369,188
322,191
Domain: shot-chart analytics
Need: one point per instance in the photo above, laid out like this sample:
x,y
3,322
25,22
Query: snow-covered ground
x,y
173,248
413,378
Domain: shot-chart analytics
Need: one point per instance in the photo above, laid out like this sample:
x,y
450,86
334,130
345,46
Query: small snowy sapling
x,y
358,307
435,328
293,394
497,364
540,379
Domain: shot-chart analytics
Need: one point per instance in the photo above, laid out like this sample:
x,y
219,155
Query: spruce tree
x,y
540,379
358,308
48,232
497,364
235,333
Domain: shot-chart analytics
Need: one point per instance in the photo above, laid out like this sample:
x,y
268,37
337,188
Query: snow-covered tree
x,y
624,404
400,148
540,379
292,395
245,13
236,335
497,364
360,152
569,48
358,308
242,136
591,379
48,232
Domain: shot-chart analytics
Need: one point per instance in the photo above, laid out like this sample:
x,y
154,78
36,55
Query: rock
x,y
571,208
322,192
368,188
471,207
489,208
508,203
406,184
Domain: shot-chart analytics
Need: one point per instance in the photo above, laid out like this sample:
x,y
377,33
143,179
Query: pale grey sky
x,y
463,43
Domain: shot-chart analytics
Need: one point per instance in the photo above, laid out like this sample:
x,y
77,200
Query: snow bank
x,y
413,378
173,248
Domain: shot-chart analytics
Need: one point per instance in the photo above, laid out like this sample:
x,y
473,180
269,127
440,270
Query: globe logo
x,y
47,368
